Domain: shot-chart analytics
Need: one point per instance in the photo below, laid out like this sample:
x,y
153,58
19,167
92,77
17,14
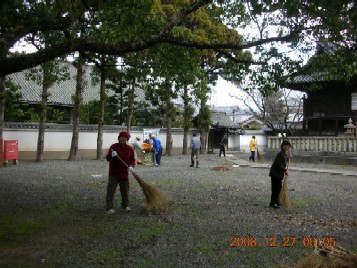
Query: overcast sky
x,y
222,92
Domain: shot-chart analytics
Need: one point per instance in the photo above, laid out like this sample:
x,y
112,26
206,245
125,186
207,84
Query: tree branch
x,y
21,62
240,61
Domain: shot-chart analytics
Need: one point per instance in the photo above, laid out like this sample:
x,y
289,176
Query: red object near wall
x,y
11,150
1,152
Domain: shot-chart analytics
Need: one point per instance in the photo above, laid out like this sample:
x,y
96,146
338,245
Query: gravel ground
x,y
53,215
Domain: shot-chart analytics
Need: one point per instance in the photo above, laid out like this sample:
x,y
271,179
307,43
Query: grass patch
x,y
74,239
15,230
305,201
184,208
206,248
65,204
295,201
153,262
261,201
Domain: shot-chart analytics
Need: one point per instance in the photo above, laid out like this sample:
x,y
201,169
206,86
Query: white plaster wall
x,y
259,136
234,142
61,140
27,138
55,141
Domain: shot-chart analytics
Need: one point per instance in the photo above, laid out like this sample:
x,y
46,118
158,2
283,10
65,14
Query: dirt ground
x,y
52,215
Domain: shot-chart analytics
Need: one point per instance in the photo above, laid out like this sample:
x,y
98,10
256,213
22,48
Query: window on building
x,y
354,101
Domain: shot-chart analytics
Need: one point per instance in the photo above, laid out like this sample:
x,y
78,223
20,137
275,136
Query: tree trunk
x,y
169,111
204,122
186,119
169,137
43,113
185,141
77,104
2,114
204,135
101,115
131,97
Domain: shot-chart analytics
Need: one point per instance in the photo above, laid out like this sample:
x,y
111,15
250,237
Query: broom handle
x,y
121,160
134,174
287,166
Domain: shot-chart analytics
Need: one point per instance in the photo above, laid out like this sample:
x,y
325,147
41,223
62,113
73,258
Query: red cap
x,y
124,133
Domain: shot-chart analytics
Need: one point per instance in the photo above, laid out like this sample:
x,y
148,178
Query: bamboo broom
x,y
283,196
155,199
259,156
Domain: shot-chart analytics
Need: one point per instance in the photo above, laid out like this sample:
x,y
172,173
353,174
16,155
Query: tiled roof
x,y
222,120
61,93
312,78
252,120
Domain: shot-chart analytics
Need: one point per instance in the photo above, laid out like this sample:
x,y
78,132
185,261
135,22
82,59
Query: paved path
x,y
335,170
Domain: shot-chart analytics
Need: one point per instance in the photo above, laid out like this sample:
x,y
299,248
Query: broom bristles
x,y
259,156
155,199
283,196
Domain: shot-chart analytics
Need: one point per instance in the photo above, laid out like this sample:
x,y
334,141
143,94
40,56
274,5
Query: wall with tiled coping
x,y
58,139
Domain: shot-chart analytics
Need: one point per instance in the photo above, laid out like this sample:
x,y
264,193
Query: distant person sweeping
x,y
277,171
195,147
157,150
136,147
119,171
222,146
252,148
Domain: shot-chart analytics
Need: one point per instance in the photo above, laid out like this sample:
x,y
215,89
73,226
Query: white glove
x,y
130,168
114,154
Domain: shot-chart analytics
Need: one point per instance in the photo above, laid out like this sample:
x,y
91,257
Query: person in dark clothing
x,y
119,172
277,171
223,145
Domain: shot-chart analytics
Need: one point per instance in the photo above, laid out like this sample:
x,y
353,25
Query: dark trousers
x,y
158,156
124,191
154,157
222,149
275,190
252,156
194,153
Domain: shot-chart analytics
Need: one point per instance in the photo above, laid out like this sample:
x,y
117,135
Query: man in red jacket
x,y
119,172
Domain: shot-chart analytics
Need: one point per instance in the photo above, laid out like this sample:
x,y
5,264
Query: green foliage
x,y
182,42
49,73
121,27
33,114
204,119
90,111
54,115
187,117
14,110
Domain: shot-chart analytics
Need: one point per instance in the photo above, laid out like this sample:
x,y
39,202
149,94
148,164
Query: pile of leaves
x,y
336,257
221,168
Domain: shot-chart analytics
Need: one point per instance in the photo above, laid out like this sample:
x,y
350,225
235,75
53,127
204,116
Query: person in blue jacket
x,y
157,149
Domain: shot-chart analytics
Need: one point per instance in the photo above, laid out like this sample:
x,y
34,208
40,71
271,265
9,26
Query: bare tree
x,y
280,111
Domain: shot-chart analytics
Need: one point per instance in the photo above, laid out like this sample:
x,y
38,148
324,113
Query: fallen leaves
x,y
220,168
